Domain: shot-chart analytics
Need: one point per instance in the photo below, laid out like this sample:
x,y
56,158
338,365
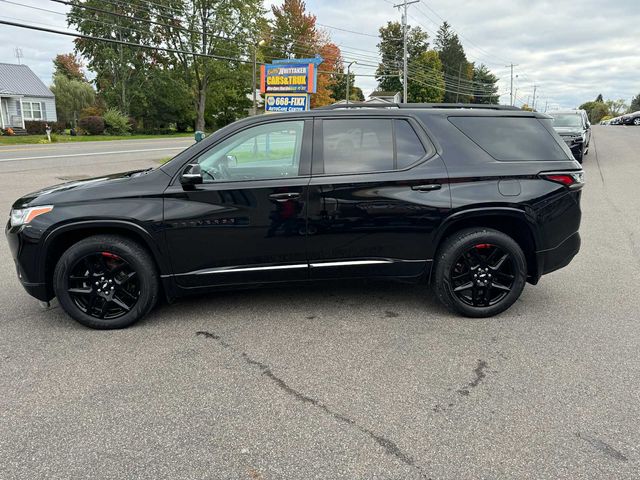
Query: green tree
x,y
389,71
426,81
596,110
635,104
210,27
121,71
169,103
339,88
69,65
617,107
485,86
457,69
71,97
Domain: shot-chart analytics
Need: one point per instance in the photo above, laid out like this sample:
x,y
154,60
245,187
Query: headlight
x,y
22,216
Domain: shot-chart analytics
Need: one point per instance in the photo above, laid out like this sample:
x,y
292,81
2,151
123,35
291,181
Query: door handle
x,y
283,197
426,188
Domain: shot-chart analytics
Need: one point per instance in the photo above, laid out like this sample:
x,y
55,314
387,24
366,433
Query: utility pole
x,y
18,54
546,105
405,81
459,75
533,105
349,78
511,91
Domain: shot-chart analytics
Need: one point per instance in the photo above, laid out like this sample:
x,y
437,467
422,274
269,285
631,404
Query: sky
x,y
571,51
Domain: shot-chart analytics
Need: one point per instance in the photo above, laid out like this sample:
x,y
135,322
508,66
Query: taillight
x,y
573,180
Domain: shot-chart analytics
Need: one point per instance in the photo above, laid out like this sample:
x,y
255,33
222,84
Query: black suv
x,y
477,201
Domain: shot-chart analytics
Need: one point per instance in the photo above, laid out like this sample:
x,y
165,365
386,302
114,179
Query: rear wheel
x,y
480,272
106,282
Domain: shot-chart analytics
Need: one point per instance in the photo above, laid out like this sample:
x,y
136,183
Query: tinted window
x,y
409,149
261,152
511,138
357,145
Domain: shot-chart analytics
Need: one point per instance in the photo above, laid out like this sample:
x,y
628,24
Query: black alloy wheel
x,y
103,285
106,282
483,275
479,272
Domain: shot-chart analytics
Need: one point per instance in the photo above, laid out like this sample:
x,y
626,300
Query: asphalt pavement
x,y
352,380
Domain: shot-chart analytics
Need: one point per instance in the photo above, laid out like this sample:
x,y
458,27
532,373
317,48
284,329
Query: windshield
x,y
566,120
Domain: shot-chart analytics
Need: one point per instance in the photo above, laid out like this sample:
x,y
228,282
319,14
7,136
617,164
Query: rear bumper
x,y
559,256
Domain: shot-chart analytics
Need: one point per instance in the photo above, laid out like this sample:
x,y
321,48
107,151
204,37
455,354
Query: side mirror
x,y
192,175
232,161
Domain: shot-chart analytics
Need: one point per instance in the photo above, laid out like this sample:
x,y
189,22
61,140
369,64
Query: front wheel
x,y
480,272
636,121
106,282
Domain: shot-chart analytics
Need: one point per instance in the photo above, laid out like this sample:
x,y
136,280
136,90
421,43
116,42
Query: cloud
x,y
571,51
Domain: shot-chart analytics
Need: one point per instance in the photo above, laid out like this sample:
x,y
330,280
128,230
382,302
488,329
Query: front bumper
x,y
24,252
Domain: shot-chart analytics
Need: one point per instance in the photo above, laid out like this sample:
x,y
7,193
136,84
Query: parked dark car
x,y
476,201
631,119
574,128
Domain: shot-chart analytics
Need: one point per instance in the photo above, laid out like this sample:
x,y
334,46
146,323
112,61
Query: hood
x,y
64,191
566,131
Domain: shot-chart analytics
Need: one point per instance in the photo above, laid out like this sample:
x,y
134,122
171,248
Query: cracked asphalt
x,y
344,381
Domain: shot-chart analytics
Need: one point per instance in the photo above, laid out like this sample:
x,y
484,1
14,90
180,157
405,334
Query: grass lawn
x,y
29,139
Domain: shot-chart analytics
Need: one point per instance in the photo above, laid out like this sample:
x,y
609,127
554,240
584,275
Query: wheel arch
x,y
63,237
510,221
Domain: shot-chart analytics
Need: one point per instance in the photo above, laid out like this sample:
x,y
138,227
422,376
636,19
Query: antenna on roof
x,y
18,54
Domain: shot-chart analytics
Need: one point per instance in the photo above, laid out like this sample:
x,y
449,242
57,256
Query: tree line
x,y
601,109
182,64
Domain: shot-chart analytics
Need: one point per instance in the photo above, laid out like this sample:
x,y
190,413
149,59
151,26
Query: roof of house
x,y
20,80
380,93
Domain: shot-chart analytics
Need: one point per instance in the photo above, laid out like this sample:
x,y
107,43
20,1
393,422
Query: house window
x,y
32,110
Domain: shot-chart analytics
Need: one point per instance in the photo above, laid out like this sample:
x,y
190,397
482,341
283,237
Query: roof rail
x,y
339,106
476,106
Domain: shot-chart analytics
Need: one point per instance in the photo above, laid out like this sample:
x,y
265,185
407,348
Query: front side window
x,y
258,153
511,139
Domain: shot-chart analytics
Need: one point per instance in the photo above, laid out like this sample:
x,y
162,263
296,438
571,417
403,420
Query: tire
x,y
106,282
636,121
580,155
450,273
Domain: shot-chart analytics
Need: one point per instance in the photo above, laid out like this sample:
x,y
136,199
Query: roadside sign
x,y
286,102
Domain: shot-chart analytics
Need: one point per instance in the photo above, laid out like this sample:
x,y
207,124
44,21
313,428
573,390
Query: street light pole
x,y
349,78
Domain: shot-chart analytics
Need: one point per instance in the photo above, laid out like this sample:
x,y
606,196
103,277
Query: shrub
x,y
92,111
38,127
93,125
116,122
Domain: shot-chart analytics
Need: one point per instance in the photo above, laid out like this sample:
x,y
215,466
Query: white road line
x,y
90,154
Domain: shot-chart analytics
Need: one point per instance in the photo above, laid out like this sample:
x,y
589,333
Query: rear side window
x,y
355,145
511,138
409,148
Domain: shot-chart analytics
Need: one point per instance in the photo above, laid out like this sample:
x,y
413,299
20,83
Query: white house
x,y
23,96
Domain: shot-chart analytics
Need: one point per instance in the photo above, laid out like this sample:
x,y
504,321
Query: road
x,y
353,381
